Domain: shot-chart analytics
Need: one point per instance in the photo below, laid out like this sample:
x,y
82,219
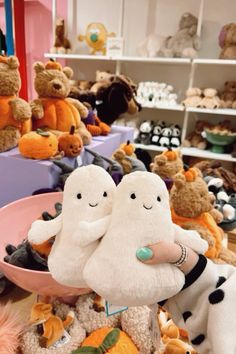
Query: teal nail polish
x,y
144,253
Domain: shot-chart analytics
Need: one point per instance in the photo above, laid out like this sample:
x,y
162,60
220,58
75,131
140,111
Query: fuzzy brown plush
x,y
53,110
214,168
227,41
195,138
62,44
15,113
186,42
191,204
228,96
165,166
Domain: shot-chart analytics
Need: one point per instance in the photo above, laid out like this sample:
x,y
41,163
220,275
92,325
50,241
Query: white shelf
x,y
150,147
207,154
214,61
177,107
121,59
222,111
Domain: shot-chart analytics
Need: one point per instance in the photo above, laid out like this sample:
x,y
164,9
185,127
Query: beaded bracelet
x,y
184,256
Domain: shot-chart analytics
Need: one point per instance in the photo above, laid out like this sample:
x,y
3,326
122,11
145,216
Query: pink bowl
x,y
15,221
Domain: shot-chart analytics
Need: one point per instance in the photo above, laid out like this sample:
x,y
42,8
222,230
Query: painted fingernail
x,y
144,253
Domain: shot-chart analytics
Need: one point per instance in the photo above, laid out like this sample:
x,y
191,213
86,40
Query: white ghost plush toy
x,y
140,216
87,197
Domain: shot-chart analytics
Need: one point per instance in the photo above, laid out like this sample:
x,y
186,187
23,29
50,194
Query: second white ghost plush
x,y
140,216
87,197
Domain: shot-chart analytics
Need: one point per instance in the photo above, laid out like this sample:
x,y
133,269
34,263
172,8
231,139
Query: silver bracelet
x,y
184,256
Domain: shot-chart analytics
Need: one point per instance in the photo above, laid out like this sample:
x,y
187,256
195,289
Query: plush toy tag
x,y
63,341
113,309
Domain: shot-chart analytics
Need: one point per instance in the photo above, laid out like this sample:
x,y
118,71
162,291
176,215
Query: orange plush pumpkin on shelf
x,y
128,148
70,143
190,174
107,340
171,154
38,145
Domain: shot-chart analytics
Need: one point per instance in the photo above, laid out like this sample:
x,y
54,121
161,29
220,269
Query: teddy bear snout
x,y
56,86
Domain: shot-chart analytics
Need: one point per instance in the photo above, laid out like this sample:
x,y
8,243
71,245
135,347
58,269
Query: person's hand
x,y
166,252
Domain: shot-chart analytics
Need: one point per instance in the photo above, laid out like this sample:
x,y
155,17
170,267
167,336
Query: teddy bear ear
x,y
179,180
198,171
68,72
13,62
38,67
161,160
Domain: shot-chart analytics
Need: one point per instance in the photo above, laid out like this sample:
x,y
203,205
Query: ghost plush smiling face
x,y
88,194
140,216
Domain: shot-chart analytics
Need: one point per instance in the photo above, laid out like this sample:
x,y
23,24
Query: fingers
x,y
161,252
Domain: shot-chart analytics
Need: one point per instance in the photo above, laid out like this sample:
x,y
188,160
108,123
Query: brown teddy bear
x,y
167,165
228,96
15,113
193,97
62,44
195,138
191,204
53,110
227,41
210,99
186,42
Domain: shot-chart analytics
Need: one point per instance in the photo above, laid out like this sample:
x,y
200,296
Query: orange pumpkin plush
x,y
107,340
53,109
128,148
15,113
70,143
38,145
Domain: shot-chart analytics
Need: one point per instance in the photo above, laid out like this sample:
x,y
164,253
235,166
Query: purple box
x,y
110,143
20,177
126,133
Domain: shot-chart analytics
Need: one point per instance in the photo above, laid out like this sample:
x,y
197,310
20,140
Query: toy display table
x,y
20,177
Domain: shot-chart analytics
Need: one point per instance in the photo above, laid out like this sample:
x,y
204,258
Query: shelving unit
x,y
181,73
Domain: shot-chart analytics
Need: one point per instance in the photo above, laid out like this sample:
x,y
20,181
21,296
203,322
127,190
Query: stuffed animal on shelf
x,y
129,164
145,132
93,124
96,37
15,113
191,204
167,165
156,133
210,99
195,139
143,197
228,96
52,323
175,140
38,144
11,328
113,98
186,42
88,195
53,110
177,346
102,78
193,97
165,138
227,41
155,94
70,143
62,44
150,46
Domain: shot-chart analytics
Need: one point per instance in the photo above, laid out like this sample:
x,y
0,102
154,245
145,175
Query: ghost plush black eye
x,y
105,194
79,196
158,199
132,196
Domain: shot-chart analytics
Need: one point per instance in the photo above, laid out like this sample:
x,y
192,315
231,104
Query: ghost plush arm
x,y
89,232
41,230
190,238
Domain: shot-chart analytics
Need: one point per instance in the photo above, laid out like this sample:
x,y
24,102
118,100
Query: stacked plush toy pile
x,y
155,94
159,134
